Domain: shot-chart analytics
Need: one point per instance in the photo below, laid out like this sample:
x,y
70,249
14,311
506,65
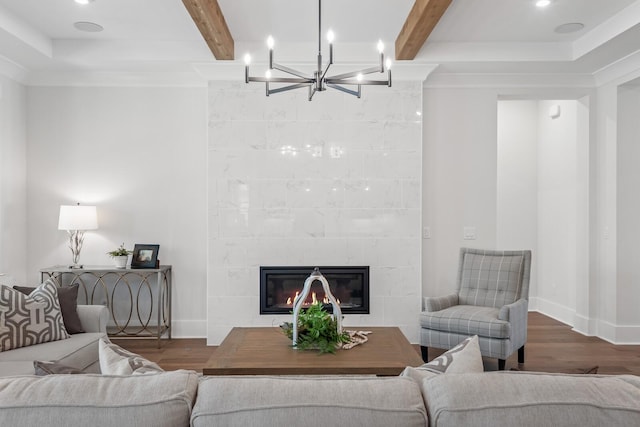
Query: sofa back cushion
x,y
157,400
309,401
493,278
532,399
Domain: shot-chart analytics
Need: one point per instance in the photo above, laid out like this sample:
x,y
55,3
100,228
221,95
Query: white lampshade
x,y
77,218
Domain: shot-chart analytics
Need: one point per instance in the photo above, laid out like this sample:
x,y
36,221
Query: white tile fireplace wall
x,y
334,181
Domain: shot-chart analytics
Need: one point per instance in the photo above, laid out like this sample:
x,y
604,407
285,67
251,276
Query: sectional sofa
x,y
183,398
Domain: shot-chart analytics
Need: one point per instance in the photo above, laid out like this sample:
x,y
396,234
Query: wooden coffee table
x,y
267,351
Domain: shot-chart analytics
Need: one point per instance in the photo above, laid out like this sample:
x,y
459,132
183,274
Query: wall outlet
x,y
469,233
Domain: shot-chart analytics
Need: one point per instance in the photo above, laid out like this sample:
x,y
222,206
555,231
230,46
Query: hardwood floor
x,y
551,347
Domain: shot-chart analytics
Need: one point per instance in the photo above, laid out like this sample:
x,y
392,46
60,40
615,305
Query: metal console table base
x,y
100,283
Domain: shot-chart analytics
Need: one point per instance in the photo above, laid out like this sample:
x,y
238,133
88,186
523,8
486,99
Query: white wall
x,y
138,154
628,206
517,178
557,209
13,174
335,181
617,322
459,179
466,170
539,197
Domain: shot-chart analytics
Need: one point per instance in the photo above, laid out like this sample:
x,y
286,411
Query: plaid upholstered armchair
x,y
491,302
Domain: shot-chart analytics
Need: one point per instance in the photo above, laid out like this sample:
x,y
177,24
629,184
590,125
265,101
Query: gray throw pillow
x,y
463,358
115,360
48,368
68,299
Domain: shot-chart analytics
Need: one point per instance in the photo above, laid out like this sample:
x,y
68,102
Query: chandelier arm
x,y
312,91
370,70
325,71
286,88
281,80
288,70
346,90
357,82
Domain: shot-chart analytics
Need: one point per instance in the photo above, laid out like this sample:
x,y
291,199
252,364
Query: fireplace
x,y
278,287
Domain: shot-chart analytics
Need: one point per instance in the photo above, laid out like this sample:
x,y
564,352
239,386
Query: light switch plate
x,y
469,233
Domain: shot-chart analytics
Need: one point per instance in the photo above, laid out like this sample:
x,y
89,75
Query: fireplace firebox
x,y
279,285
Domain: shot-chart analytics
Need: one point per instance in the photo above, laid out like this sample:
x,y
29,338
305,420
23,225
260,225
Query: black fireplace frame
x,y
364,308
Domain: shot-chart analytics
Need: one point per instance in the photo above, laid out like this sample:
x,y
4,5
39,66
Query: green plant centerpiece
x,y
317,330
120,251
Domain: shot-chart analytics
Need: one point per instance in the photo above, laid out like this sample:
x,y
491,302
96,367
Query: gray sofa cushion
x,y
156,400
309,401
467,320
532,399
16,367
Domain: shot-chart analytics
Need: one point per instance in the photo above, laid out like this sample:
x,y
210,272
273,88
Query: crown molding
x,y
116,79
509,80
12,70
621,71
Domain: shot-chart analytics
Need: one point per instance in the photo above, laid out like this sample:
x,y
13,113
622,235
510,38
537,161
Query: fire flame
x,y
314,299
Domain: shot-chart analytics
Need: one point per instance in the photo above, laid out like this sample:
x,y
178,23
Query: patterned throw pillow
x,y
68,299
30,319
115,360
463,358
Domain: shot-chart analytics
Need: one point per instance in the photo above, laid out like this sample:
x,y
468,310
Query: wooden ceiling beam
x,y
210,21
422,19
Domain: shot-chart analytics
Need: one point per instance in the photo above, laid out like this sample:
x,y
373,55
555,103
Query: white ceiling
x,y
37,36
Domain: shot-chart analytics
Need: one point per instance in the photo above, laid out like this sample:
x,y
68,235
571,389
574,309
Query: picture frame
x,y
145,256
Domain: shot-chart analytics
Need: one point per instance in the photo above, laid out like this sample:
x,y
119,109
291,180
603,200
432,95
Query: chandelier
x,y
319,81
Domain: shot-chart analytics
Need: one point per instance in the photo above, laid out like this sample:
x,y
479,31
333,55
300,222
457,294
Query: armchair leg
x,y
521,355
425,353
501,364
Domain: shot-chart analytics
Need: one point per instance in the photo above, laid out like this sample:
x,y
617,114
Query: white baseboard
x,y
615,334
585,325
619,334
189,329
554,310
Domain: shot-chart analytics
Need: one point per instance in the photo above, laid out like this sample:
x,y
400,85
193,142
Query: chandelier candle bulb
x,y
330,36
247,61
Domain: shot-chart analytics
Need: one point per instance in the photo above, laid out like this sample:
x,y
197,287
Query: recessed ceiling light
x,y
543,3
88,27
570,27
83,2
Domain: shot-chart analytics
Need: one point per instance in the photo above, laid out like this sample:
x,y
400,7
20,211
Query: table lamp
x,y
76,220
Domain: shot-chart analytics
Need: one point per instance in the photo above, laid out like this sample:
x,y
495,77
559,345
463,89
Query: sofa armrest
x,y
514,311
440,303
93,318
516,314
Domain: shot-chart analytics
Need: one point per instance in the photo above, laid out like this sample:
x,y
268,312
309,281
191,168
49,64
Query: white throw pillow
x,y
461,359
115,360
30,319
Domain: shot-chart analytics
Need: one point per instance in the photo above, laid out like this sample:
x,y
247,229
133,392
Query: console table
x,y
134,296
